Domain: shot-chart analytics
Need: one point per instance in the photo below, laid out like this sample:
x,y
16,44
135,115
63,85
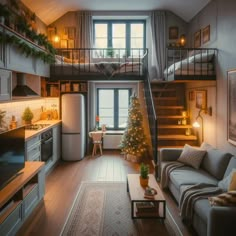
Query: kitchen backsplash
x,y
37,106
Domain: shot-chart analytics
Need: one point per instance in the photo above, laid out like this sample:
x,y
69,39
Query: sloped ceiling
x,y
50,10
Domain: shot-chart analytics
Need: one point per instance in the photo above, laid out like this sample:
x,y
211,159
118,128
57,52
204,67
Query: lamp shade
x,y
196,124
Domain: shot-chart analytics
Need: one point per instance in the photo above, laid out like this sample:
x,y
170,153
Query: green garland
x,y
47,57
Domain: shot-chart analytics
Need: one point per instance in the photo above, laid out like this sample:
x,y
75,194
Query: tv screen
x,y
12,154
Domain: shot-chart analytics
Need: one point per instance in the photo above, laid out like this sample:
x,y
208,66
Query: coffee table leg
x,y
132,209
127,186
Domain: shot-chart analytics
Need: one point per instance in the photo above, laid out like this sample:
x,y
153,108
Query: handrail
x,y
152,117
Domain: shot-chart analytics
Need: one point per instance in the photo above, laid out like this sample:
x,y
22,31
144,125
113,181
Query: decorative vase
x,y
143,182
28,122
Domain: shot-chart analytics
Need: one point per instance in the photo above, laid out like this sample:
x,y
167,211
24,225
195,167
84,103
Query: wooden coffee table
x,y
142,207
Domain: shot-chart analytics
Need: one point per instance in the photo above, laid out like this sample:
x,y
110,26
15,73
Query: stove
x,y
36,126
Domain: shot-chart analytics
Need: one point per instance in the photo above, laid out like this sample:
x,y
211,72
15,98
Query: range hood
x,y
21,89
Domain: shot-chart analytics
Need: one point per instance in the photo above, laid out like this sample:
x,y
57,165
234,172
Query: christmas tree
x,y
134,140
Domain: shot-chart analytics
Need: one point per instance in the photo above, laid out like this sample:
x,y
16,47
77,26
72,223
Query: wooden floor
x,y
63,183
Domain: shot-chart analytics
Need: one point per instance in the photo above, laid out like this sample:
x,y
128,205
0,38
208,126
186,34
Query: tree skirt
x,y
104,208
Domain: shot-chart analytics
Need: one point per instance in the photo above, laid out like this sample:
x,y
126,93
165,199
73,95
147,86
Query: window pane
x,y
118,30
136,30
100,30
118,36
106,107
123,108
137,39
100,36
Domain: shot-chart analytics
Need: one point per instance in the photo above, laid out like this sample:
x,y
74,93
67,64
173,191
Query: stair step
x,y
169,146
171,117
174,126
177,137
174,146
165,98
163,90
169,107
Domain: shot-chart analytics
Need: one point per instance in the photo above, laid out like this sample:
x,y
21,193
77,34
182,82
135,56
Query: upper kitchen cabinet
x,y
5,85
18,53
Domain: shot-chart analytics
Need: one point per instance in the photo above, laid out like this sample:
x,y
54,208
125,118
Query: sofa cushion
x,y
231,165
191,156
225,183
187,176
215,161
202,208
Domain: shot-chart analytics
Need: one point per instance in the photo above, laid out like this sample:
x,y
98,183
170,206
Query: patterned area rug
x,y
103,208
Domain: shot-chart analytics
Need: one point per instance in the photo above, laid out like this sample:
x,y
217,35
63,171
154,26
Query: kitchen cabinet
x,y
56,135
5,85
21,196
13,59
33,149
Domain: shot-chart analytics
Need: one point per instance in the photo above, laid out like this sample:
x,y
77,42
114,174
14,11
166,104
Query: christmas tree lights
x,y
134,140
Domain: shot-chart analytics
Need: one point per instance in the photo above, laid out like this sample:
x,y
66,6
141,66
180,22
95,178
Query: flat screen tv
x,y
12,154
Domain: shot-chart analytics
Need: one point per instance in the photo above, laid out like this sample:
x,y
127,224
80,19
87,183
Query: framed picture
x,y
231,101
201,99
206,34
197,39
173,32
63,43
70,32
71,43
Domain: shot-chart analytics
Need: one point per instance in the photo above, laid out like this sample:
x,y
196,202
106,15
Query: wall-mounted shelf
x,y
54,89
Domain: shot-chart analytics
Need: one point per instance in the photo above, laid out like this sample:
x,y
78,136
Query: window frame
x,y
116,105
128,31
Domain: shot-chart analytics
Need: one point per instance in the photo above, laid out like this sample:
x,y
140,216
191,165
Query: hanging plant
x,y
46,57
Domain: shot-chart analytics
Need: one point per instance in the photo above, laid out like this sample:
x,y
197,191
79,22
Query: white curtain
x,y
158,29
84,33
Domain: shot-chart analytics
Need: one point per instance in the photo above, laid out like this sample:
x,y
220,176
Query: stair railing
x,y
152,118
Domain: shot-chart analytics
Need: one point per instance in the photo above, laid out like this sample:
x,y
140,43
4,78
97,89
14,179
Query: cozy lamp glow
x,y
182,40
56,39
196,124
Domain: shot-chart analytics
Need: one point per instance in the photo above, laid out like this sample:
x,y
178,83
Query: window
x,y
118,34
112,107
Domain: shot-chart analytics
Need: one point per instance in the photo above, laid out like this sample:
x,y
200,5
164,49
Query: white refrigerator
x,y
73,127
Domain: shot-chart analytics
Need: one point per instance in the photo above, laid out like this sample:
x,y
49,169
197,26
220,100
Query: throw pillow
x,y
232,185
225,184
191,156
224,199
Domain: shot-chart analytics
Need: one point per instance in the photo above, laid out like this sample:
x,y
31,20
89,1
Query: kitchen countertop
x,y
31,133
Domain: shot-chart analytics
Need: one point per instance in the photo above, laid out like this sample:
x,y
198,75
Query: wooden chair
x,y
97,142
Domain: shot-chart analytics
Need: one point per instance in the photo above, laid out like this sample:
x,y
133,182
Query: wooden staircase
x,y
169,101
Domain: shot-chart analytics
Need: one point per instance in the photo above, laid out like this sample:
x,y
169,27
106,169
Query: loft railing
x,y
152,121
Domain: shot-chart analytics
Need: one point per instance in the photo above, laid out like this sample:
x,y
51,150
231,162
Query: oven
x,y
46,145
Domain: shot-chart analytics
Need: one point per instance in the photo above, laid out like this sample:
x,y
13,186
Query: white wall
x,y
220,14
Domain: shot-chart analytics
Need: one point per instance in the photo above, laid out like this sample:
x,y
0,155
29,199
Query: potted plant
x,y
27,115
144,171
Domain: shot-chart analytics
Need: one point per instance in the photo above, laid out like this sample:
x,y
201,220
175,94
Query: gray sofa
x,y
215,166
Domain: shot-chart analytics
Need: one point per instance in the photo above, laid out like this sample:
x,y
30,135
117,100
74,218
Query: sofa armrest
x,y
221,221
170,154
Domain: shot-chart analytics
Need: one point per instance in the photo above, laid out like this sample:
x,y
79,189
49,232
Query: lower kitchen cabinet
x,y
20,197
33,148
